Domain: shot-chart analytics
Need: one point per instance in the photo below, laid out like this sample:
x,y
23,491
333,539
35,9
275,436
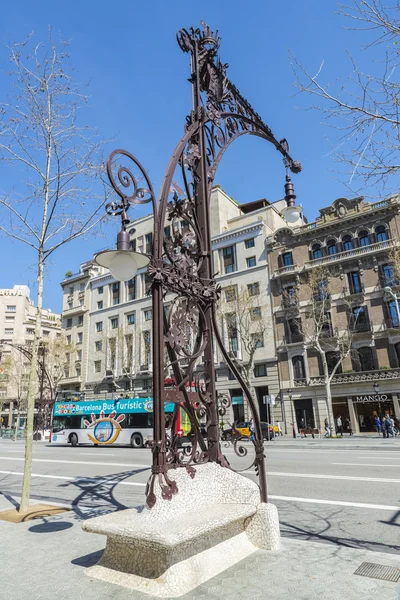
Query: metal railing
x,y
358,376
361,251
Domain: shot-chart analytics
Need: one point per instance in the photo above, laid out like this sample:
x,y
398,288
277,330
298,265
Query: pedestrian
x,y
252,430
349,427
327,428
339,425
378,425
383,427
388,426
293,430
395,426
279,428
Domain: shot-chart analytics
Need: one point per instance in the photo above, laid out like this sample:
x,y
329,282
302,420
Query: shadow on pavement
x,y
88,560
50,527
97,494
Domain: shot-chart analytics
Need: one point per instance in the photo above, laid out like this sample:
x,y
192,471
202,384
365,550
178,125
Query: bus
x,y
123,421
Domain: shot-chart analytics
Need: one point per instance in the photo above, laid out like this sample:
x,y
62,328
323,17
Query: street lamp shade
x,y
292,213
388,290
123,264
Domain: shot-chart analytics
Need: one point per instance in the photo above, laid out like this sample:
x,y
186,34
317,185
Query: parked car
x,y
244,429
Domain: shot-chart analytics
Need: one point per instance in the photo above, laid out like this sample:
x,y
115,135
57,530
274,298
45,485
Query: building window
x,y
294,331
99,326
79,355
11,307
66,370
322,290
298,367
359,319
97,366
392,309
332,248
69,323
148,315
68,339
115,293
71,290
347,243
255,313
8,331
130,319
230,294
231,326
70,305
316,251
133,245
100,290
167,231
149,243
132,289
332,359
46,333
30,331
98,346
381,234
260,370
355,282
388,275
80,338
257,340
228,255
365,358
100,305
114,323
146,348
250,243
287,259
363,238
80,320
251,261
253,289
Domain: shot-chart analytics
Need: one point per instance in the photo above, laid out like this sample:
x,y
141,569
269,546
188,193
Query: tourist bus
x,y
123,421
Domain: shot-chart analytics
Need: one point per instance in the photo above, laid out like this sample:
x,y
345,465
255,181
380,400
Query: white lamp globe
x,y
292,213
123,264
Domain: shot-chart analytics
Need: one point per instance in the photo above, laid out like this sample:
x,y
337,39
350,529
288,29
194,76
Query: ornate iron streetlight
x,y
181,263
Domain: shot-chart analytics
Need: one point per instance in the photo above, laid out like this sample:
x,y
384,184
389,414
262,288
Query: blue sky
x,y
140,95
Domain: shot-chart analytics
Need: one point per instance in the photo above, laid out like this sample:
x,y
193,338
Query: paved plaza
x,y
338,503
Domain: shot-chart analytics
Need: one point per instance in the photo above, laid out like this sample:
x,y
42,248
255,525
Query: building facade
x,y
109,322
356,243
17,328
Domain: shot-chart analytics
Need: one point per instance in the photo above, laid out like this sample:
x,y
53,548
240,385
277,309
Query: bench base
x,y
184,576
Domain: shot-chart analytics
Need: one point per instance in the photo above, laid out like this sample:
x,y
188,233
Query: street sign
x,y
270,399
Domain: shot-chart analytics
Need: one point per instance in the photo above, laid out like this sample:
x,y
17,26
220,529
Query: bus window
x,y
69,422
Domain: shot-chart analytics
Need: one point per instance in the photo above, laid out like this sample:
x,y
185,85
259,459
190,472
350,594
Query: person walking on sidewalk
x,y
327,428
339,425
388,426
349,427
378,425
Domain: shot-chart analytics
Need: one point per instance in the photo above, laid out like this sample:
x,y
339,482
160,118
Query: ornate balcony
x,y
349,254
358,377
286,270
290,302
300,382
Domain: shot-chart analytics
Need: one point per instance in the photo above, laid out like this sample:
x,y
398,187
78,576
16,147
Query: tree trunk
x,y
26,484
328,393
17,424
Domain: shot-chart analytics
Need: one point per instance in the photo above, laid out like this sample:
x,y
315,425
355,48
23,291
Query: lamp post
x,y
389,291
181,264
293,415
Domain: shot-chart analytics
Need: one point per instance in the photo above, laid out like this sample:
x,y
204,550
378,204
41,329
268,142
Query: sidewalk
x,y
46,559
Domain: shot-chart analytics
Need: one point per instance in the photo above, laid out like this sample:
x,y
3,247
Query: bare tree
x,y
364,105
53,158
246,323
332,345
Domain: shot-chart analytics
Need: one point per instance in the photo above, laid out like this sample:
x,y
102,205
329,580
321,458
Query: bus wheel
x,y
73,438
136,440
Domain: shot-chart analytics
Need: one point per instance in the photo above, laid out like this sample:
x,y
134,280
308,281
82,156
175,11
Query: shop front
x,y
369,406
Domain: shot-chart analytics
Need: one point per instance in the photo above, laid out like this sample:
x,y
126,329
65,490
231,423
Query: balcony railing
x,y
349,254
290,302
300,382
286,270
359,376
74,310
391,323
360,326
329,333
293,338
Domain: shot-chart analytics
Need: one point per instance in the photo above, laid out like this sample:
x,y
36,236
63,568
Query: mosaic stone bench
x,y
214,521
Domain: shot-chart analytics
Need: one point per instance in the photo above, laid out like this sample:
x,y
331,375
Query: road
x,y
343,492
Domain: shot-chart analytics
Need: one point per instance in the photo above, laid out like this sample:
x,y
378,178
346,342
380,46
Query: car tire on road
x,y
136,441
73,438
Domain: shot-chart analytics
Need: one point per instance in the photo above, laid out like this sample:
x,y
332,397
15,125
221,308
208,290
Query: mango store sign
x,y
372,398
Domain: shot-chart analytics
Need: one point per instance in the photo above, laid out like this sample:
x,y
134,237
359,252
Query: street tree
x,y
313,322
53,158
246,324
363,105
